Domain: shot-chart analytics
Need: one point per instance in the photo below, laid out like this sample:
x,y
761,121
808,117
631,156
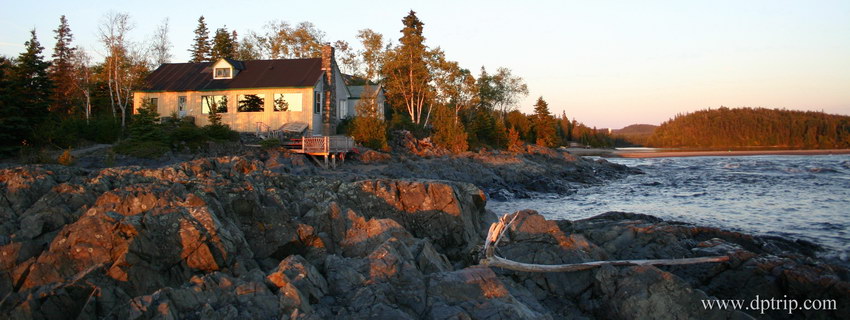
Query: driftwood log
x,y
498,229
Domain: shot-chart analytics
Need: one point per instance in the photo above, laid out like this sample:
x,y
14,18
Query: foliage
x,y
142,149
544,125
62,70
515,144
448,130
753,127
221,132
406,72
145,124
270,143
25,91
223,45
65,159
370,132
372,53
500,91
282,41
125,67
200,49
161,46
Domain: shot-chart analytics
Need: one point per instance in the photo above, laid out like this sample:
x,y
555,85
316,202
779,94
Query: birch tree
x,y
161,48
83,79
124,67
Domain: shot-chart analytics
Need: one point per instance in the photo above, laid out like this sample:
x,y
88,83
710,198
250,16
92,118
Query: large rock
x,y
533,239
645,292
451,214
478,293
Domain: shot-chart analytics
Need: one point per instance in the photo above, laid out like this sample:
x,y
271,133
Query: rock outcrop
x,y
236,237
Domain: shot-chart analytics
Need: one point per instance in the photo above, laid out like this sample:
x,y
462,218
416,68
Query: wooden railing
x,y
326,144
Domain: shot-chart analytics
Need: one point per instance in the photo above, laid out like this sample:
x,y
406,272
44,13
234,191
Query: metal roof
x,y
253,74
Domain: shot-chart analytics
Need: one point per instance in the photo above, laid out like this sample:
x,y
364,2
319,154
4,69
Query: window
x,y
287,102
181,103
154,102
343,108
318,103
252,103
222,73
219,102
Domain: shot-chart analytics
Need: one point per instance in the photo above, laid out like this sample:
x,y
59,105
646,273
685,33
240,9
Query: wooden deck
x,y
329,147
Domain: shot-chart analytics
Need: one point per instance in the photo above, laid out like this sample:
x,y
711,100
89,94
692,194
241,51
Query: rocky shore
x,y
267,236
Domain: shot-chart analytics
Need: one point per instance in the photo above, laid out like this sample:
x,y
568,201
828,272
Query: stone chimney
x,y
328,66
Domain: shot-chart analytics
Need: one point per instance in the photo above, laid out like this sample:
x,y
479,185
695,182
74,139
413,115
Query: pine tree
x,y
62,70
26,95
222,45
201,47
544,124
407,75
448,133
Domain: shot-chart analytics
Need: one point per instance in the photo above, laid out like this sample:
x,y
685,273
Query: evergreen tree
x,y
448,133
223,46
406,72
13,126
31,82
62,70
544,124
201,47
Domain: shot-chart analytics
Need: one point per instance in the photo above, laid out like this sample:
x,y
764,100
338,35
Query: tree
x,y
406,72
14,127
249,48
25,96
83,78
453,85
347,57
61,71
306,41
276,38
124,67
201,46
161,45
372,54
502,90
448,132
222,45
544,124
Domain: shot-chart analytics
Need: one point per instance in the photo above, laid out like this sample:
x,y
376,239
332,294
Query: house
x,y
365,94
252,95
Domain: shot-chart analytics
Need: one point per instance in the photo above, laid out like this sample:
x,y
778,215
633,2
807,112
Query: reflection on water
x,y
805,197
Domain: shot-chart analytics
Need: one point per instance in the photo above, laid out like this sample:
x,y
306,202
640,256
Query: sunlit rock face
x,y
236,237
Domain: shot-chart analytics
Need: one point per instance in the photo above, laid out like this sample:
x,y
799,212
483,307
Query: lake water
x,y
799,197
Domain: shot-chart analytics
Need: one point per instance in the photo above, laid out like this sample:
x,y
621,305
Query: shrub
x,y
220,132
142,149
270,143
370,132
514,141
66,159
448,130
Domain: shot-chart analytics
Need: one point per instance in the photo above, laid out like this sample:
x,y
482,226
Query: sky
x,y
608,64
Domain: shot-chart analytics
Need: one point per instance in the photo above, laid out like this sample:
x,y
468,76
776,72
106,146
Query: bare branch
x,y
498,230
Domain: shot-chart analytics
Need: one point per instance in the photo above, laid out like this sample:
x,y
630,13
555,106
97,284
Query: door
x,y
181,106
317,113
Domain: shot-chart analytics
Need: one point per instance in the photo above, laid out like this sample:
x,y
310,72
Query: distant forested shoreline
x,y
753,127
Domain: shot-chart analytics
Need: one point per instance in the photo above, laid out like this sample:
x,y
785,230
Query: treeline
x,y
70,98
754,127
433,96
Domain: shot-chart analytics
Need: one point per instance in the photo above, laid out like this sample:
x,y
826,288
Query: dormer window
x,y
222,73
